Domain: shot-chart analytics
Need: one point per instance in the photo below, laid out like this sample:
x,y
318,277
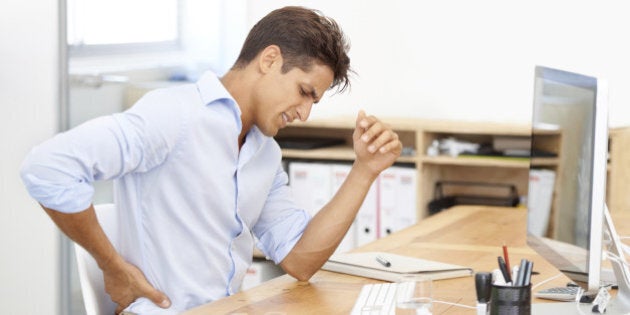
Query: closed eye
x,y
303,92
312,94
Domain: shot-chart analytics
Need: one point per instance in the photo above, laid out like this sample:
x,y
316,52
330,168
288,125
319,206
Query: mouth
x,y
285,119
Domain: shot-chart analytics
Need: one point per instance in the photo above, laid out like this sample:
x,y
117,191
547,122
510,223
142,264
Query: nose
x,y
304,110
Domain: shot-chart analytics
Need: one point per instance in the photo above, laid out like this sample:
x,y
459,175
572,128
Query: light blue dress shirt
x,y
190,202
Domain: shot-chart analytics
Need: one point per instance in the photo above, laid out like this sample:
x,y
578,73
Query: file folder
x,y
366,265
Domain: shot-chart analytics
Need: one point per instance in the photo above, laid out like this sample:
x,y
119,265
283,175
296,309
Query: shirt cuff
x,y
71,198
279,240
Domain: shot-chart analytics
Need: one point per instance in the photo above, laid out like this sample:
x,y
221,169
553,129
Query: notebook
x,y
366,265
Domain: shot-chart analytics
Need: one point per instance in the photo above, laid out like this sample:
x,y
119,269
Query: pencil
x,y
506,258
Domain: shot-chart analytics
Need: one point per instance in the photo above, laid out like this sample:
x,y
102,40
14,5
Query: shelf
x,y
487,161
545,161
341,153
331,153
419,134
618,170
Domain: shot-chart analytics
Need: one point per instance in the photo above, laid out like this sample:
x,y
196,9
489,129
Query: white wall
x,y
471,60
28,115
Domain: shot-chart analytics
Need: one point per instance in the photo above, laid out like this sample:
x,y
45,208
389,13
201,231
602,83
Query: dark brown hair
x,y
304,36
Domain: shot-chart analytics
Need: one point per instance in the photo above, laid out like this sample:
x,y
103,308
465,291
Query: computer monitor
x,y
573,241
574,104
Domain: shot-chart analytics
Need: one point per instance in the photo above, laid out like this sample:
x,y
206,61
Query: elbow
x,y
30,168
25,169
30,174
301,275
299,271
27,173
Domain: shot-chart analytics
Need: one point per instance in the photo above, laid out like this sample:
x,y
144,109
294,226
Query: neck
x,y
240,85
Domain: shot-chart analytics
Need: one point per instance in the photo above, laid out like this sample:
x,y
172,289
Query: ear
x,y
270,58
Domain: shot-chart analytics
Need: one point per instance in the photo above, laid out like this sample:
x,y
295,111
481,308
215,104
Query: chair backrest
x,y
96,300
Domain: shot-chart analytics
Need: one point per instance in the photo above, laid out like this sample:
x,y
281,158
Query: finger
x,y
392,146
368,121
360,125
123,303
375,130
383,138
160,299
360,117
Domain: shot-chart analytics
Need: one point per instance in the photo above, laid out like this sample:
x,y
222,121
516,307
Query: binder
x,y
406,196
339,174
314,184
398,191
389,206
367,221
539,198
366,265
311,185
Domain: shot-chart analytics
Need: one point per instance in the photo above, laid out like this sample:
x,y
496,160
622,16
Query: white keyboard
x,y
560,293
376,299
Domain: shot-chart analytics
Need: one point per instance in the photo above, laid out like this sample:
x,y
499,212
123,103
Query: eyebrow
x,y
313,94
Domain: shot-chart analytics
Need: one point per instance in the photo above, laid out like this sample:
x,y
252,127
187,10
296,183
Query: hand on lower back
x,y
125,283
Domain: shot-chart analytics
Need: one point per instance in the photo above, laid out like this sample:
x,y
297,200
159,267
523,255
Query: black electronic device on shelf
x,y
307,143
443,201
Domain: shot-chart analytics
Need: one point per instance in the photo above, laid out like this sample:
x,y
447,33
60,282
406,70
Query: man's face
x,y
283,97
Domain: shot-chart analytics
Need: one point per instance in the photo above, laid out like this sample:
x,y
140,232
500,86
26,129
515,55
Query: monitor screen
x,y
566,228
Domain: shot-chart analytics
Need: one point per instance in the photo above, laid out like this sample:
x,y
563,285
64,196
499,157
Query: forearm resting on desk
x,y
328,227
377,147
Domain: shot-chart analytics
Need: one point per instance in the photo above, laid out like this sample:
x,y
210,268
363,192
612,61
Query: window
x,y
99,26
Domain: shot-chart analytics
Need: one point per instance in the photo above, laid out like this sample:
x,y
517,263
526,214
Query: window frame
x,y
88,50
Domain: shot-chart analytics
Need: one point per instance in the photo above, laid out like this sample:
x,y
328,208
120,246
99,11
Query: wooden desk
x,y
464,235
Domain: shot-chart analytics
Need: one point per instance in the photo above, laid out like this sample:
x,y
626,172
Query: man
x,y
198,176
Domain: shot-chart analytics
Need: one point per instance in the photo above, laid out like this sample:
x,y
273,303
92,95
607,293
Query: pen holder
x,y
510,300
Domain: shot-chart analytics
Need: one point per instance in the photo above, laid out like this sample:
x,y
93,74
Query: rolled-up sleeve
x,y
59,172
281,223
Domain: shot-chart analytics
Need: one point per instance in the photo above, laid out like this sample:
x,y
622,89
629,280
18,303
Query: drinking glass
x,y
414,296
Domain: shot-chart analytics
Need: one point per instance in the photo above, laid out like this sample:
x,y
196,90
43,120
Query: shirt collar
x,y
212,91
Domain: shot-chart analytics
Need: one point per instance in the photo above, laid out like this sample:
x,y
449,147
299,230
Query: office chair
x,y
95,299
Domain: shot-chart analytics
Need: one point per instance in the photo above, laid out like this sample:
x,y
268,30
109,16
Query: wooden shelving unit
x,y
618,196
417,135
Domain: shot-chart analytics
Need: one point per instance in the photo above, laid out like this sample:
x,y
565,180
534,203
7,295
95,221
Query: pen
x,y
528,273
504,270
383,262
520,278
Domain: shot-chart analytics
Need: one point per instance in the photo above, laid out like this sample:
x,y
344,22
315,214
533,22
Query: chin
x,y
270,132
